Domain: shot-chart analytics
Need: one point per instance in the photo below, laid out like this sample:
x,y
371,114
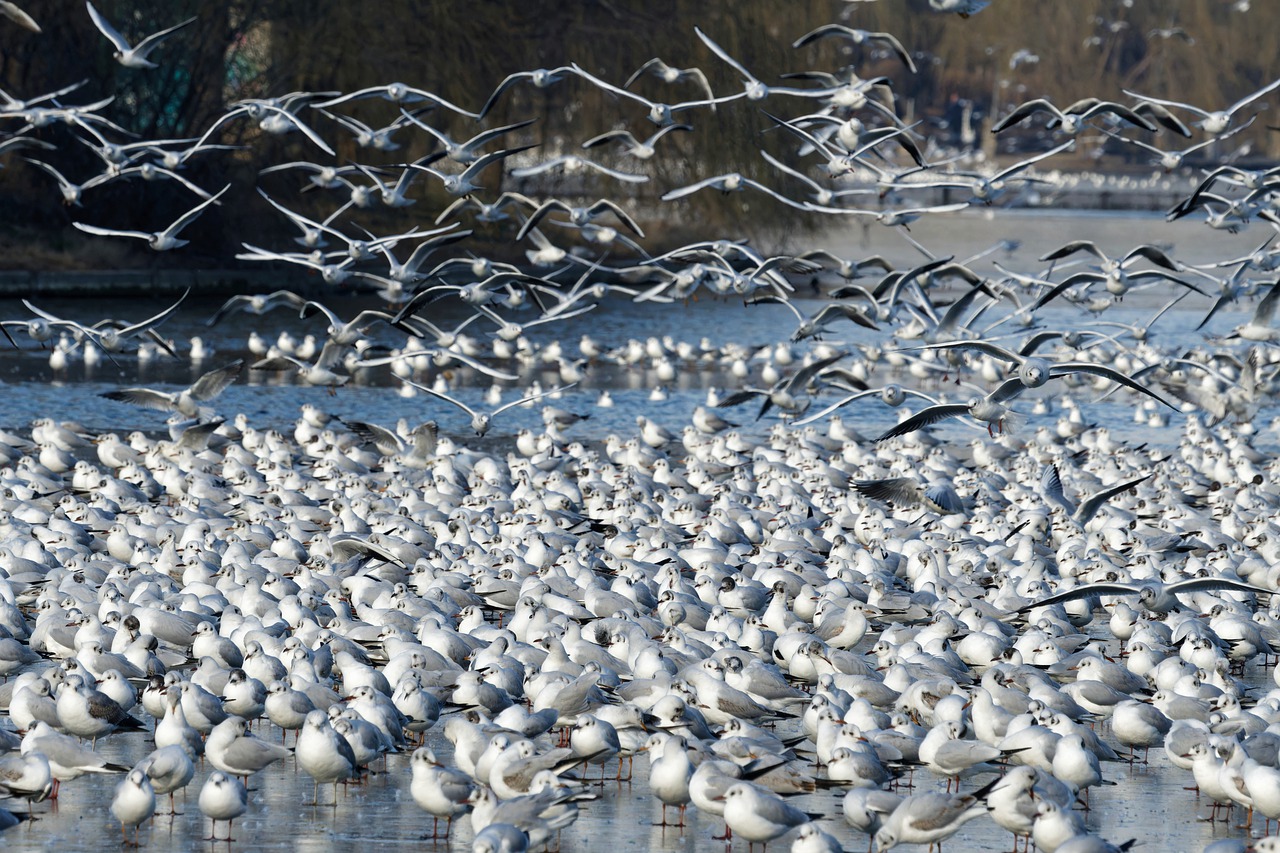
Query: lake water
x,y
1149,803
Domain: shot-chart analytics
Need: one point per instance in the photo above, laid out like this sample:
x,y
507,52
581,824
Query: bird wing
x,y
19,17
529,398
1090,507
1023,111
923,418
739,397
899,490
434,393
152,322
152,41
104,27
145,397
681,192
111,232
1084,592
1073,247
1051,485
1265,312
214,382
482,163
849,312
1207,584
194,213
1110,373
981,346
802,376
720,52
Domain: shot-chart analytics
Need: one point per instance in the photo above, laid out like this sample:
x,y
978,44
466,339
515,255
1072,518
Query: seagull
x,y
257,304
811,327
1072,118
1033,372
907,491
72,193
926,818
1051,484
463,182
540,77
132,57
324,755
579,215
222,797
112,335
571,163
480,421
668,74
398,93
858,37
187,401
759,815
753,88
133,803
1172,160
785,392
1153,595
170,768
660,114
1218,121
160,241
440,791
467,152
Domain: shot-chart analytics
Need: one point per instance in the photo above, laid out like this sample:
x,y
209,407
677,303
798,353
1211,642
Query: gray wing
x,y
923,418
803,375
1266,310
144,397
1085,591
1090,507
1051,484
104,26
1208,584
1109,373
215,382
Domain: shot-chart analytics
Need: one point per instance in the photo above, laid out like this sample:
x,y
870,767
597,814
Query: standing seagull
x,y
161,241
132,57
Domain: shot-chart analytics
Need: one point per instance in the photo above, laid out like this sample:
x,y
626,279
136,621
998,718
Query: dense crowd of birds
x,y
763,617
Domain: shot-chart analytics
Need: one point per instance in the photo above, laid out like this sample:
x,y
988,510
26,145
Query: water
x,y
1148,802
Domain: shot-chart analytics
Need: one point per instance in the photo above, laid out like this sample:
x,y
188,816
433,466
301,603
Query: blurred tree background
x,y
1205,52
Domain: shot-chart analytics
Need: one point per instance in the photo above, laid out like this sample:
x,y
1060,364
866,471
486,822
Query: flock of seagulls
x,y
762,615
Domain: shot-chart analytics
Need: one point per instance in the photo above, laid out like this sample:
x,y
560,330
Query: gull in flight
x,y
132,57
188,400
660,114
160,241
858,37
1033,372
1218,121
1072,118
1155,596
540,77
667,74
640,150
481,421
